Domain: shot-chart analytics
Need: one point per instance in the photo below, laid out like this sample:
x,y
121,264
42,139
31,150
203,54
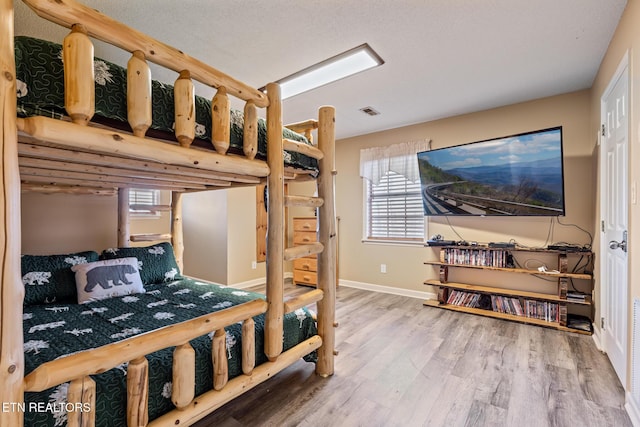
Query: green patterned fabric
x,y
53,331
48,278
40,84
157,262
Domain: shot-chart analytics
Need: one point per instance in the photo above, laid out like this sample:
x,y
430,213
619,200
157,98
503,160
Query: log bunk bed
x,y
77,156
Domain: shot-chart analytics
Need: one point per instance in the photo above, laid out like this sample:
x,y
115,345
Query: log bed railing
x,y
116,160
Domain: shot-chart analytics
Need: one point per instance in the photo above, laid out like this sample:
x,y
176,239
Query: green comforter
x,y
55,330
40,84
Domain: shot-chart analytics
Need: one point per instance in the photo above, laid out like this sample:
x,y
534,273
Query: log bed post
x,y
177,234
220,121
185,109
327,235
79,80
139,112
11,288
124,231
275,231
82,396
250,130
138,392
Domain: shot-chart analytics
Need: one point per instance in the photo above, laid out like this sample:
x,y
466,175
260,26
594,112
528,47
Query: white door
x,y
614,208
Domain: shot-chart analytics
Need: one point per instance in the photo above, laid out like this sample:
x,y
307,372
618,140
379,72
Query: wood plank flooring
x,y
403,364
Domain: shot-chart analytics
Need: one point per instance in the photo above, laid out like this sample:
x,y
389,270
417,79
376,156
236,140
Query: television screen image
x,y
514,175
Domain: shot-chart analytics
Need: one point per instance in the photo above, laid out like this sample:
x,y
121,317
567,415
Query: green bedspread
x,y
52,331
40,84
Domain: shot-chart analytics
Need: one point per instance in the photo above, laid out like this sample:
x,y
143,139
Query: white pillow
x,y
105,279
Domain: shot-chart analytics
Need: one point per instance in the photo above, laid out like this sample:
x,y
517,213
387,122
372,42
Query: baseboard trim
x,y
596,338
632,409
387,289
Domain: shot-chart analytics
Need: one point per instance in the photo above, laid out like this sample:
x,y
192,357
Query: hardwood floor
x,y
403,364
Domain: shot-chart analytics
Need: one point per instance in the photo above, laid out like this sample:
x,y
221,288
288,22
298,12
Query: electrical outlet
x,y
383,268
254,265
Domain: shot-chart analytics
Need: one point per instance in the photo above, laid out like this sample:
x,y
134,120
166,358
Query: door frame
x,y
620,70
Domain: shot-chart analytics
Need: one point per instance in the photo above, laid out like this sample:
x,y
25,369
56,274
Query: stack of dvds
x,y
463,299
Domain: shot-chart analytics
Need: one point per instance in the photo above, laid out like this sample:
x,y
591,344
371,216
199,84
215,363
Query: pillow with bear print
x,y
48,278
106,279
157,262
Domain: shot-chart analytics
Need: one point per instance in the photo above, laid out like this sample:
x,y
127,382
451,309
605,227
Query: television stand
x,y
532,307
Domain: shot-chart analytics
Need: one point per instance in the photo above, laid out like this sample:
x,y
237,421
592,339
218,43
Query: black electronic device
x,y
502,245
441,242
566,247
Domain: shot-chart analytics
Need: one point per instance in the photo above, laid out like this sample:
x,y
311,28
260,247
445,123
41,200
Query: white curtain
x,y
400,158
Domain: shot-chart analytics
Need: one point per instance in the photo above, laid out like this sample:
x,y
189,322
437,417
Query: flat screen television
x,y
514,175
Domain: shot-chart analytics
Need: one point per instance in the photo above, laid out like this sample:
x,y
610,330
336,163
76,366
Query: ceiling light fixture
x,y
346,64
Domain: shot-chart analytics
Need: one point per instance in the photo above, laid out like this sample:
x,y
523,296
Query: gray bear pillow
x,y
106,279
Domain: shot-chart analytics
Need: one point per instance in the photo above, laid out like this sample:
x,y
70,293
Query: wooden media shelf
x,y
524,306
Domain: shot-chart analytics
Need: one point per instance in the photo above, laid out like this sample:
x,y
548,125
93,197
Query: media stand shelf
x,y
537,308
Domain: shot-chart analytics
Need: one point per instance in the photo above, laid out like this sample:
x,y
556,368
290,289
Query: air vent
x,y
370,111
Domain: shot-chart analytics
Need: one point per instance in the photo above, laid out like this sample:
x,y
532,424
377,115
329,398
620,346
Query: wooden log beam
x,y
139,114
69,183
118,34
54,189
82,395
97,360
302,148
11,288
303,300
177,233
304,201
302,251
209,401
138,392
327,260
149,237
118,181
219,359
302,127
109,142
114,170
248,346
275,233
184,375
34,150
124,229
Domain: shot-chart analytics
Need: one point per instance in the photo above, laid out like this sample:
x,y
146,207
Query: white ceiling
x,y
442,57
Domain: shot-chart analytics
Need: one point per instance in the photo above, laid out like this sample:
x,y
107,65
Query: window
x,y
394,209
393,202
139,197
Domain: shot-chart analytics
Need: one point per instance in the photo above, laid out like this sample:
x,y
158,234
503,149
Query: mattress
x,y
40,87
52,331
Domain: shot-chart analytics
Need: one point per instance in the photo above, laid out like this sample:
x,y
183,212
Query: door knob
x,y
619,245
